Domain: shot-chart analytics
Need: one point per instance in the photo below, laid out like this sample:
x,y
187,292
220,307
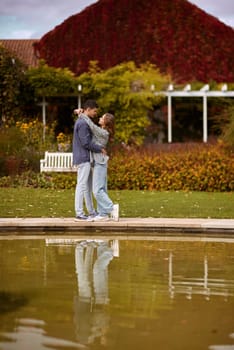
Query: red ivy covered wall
x,y
177,36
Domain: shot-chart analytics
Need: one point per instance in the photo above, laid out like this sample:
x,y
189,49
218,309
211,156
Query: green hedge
x,y
201,168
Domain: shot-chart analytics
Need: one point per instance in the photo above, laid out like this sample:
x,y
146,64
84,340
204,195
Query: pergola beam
x,y
204,92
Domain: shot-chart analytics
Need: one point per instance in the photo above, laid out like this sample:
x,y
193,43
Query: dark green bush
x,y
22,146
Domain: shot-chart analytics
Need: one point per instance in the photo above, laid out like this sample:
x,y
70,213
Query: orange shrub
x,y
201,168
185,168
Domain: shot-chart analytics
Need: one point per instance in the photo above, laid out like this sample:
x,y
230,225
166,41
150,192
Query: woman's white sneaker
x,y
115,212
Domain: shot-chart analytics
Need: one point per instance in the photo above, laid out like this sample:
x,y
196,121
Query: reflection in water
x,y
29,335
11,301
91,319
203,285
170,295
223,347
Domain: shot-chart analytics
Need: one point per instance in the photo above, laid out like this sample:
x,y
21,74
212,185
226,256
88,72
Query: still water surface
x,y
165,294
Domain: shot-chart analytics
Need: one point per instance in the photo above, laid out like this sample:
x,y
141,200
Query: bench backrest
x,y
57,161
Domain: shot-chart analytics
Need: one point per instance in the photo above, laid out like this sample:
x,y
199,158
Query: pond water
x,y
165,293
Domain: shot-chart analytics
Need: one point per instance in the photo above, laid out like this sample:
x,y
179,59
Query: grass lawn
x,y
29,202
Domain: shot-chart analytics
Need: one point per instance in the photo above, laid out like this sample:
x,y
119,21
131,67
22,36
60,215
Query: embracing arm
x,y
85,138
96,130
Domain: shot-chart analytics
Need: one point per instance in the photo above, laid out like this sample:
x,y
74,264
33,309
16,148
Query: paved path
x,y
127,226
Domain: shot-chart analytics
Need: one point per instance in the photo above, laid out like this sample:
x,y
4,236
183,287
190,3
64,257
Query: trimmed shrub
x,y
192,168
201,168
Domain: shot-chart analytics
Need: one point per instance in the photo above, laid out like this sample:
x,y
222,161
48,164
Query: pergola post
x,y
204,91
169,112
44,116
43,105
169,126
205,126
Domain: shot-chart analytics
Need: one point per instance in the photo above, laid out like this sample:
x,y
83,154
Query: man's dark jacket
x,y
82,142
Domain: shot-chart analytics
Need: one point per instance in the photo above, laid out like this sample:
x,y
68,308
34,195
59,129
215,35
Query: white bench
x,y
58,162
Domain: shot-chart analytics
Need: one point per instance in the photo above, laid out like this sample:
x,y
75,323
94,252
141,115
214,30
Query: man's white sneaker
x,y
101,218
115,212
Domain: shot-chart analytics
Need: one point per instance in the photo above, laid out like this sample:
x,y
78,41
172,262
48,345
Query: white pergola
x,y
204,92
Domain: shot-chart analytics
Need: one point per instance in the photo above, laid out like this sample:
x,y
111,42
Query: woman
x,y
101,136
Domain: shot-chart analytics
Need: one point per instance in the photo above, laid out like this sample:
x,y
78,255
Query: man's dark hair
x,y
90,104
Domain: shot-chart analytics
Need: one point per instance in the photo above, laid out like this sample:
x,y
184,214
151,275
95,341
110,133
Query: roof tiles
x,y
23,49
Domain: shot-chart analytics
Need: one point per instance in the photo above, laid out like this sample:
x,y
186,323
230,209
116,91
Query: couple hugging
x,y
90,155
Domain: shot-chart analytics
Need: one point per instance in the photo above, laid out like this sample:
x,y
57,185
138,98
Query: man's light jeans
x,y
84,189
104,203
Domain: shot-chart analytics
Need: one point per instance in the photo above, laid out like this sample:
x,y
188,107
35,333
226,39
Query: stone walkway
x,y
125,226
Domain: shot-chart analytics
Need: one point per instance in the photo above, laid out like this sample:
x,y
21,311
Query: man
x,y
82,148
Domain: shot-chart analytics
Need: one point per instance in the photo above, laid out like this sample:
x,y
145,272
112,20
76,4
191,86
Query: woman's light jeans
x,y
104,203
84,189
